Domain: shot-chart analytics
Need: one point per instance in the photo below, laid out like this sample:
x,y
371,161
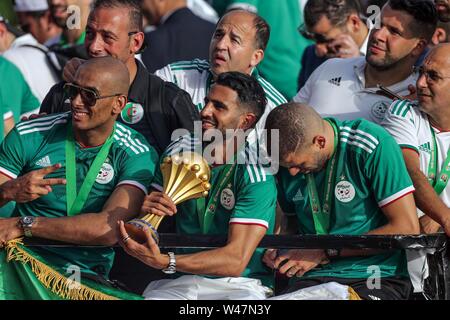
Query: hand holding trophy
x,y
185,176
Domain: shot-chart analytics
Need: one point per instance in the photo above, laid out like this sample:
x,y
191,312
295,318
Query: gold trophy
x,y
185,176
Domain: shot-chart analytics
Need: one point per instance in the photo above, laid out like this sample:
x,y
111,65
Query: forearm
x,y
427,199
84,229
222,262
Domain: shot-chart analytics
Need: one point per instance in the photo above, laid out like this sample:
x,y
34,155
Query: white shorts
x,y
192,287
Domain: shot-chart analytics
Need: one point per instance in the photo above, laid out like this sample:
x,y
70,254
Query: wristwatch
x,y
172,267
26,223
332,253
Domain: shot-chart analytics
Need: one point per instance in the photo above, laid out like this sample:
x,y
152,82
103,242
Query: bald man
x,y
342,177
422,129
73,176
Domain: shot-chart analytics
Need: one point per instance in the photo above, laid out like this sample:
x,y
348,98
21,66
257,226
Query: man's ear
x,y
121,102
418,49
319,142
353,23
248,121
258,56
137,42
439,36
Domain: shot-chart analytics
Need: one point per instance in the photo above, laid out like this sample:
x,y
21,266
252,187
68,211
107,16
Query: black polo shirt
x,y
155,108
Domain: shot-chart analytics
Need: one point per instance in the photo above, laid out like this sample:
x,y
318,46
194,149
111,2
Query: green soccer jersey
x,y
15,94
370,173
248,198
39,143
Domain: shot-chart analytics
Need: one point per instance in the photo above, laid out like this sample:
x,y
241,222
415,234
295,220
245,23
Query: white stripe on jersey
x,y
41,121
371,137
125,142
134,141
357,137
259,222
124,137
357,144
57,121
396,196
8,173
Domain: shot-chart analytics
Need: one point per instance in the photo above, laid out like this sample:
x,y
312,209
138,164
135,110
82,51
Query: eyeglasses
x,y
316,37
88,95
431,75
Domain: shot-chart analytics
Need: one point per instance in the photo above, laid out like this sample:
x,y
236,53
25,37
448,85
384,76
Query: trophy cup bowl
x,y
185,176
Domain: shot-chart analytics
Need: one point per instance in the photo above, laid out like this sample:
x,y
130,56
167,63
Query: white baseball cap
x,y
30,5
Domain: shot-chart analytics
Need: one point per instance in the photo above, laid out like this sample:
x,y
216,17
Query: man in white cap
x,y
28,52
35,18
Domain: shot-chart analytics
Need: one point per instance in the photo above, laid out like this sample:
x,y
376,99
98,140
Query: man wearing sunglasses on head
x,y
155,107
73,176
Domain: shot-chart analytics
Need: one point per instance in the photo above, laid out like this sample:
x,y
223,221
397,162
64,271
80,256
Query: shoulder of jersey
x,y
252,171
43,124
361,135
130,140
194,65
401,108
272,94
186,143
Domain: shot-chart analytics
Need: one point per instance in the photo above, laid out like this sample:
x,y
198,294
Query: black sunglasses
x,y
88,95
317,38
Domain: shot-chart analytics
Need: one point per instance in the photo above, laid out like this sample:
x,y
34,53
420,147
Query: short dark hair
x,y
424,14
337,11
250,93
134,7
262,28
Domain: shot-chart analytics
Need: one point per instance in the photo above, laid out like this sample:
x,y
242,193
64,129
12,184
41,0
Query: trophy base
x,y
135,229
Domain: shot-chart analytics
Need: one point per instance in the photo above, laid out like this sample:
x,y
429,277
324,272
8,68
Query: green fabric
x,y
15,94
39,143
64,43
370,167
18,282
255,199
282,60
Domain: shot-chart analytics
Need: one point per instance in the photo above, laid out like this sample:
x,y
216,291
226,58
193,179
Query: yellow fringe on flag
x,y
52,279
353,295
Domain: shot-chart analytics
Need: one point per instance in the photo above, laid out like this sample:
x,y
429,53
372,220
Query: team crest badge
x,y
379,110
106,174
132,113
227,199
344,191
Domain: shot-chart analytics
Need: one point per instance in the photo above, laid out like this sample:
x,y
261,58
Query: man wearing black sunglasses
x,y
74,175
155,107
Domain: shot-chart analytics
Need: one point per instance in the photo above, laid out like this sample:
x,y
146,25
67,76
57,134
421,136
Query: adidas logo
x,y
299,196
426,147
44,162
335,81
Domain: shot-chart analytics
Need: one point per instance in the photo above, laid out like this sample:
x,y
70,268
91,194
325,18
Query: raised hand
x,y
32,185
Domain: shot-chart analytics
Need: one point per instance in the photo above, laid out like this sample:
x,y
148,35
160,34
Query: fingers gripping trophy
x,y
185,176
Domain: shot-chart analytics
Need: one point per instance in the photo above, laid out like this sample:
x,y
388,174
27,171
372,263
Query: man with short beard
x,y
443,9
241,204
341,178
348,88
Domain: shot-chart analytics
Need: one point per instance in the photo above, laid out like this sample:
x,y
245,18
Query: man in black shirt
x,y
155,107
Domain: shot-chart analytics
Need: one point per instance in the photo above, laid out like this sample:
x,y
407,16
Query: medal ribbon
x,y
438,184
75,202
321,215
205,211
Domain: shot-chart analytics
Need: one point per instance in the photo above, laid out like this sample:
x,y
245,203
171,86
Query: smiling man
x,y
443,9
423,132
344,178
155,108
241,204
348,88
73,176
